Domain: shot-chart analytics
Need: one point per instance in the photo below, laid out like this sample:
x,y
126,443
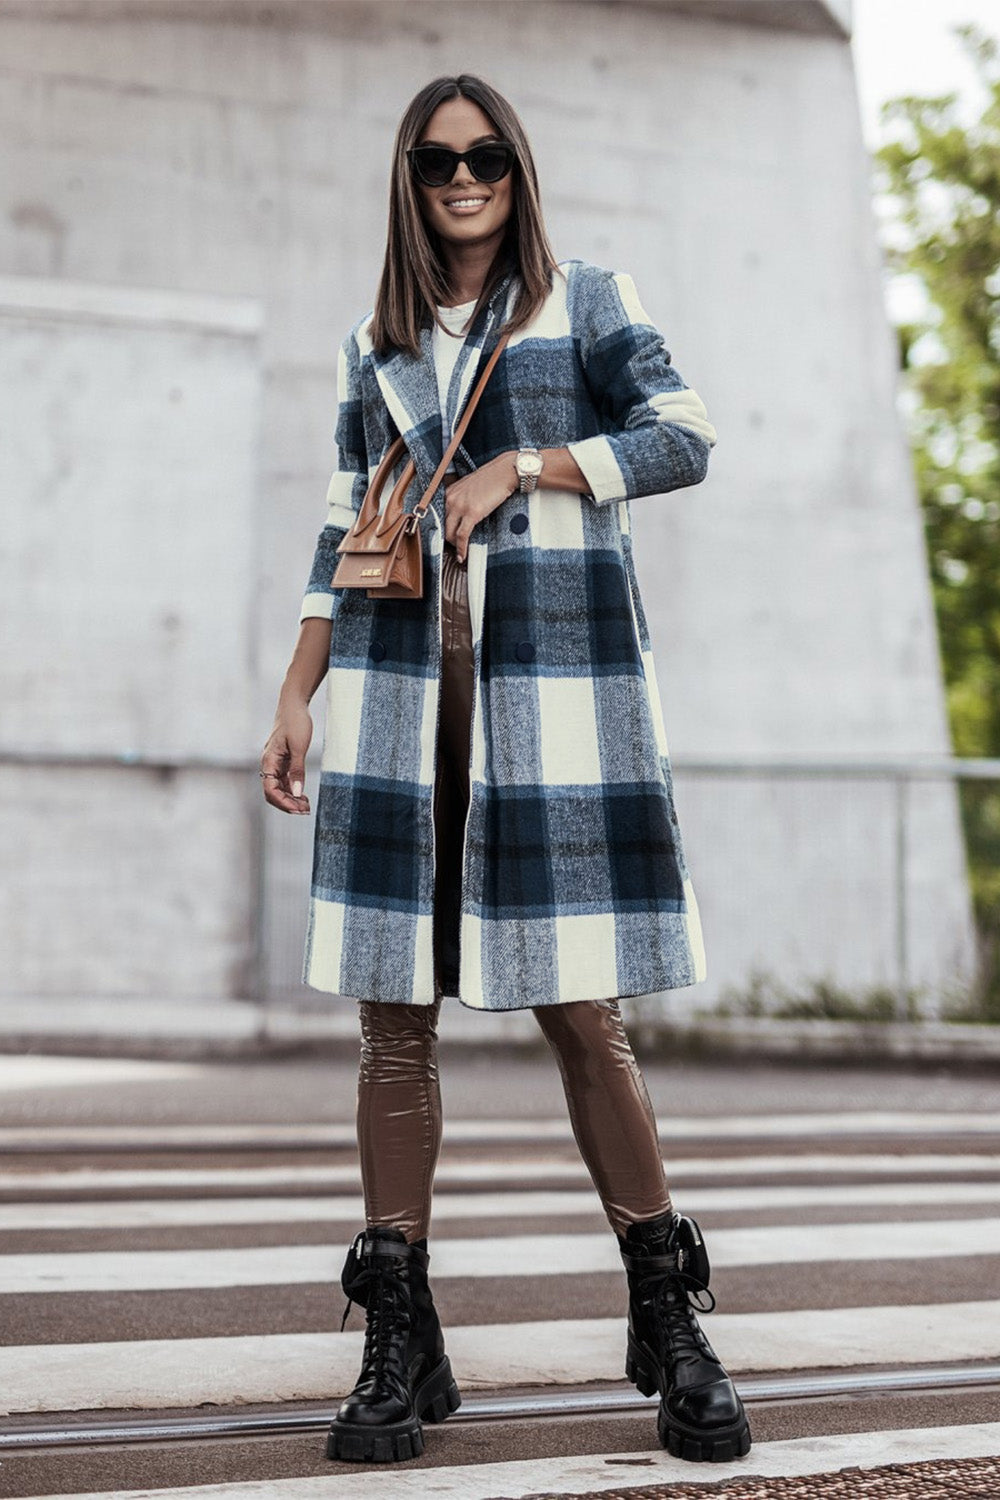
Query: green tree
x,y
939,182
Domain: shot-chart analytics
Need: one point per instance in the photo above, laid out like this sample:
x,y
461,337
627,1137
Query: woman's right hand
x,y
283,760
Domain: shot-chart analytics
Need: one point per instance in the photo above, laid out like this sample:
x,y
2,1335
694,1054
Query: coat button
x,y
519,522
376,651
524,651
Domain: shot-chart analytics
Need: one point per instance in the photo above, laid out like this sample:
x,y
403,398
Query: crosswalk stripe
x,y
821,1163
51,1070
490,1131
789,1160
204,1212
602,1473
507,1255
157,1374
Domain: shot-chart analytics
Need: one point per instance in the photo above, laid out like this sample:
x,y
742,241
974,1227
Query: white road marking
x,y
507,1255
329,1177
219,1136
596,1473
163,1213
158,1374
31,1071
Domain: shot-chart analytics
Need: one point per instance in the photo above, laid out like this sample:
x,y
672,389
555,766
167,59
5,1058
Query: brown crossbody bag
x,y
382,553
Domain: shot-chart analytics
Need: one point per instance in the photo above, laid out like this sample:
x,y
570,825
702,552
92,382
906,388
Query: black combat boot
x,y
701,1417
405,1373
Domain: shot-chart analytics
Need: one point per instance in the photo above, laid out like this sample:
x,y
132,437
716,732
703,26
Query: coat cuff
x,y
318,607
321,600
596,459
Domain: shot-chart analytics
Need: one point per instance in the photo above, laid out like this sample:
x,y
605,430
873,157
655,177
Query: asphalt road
x,y
171,1236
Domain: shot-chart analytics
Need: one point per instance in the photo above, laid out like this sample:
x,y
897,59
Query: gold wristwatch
x,y
528,464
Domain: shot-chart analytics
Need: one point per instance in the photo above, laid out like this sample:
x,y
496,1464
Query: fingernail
x,y
296,789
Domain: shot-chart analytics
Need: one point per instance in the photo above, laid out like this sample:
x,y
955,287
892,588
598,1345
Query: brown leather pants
x,y
399,1096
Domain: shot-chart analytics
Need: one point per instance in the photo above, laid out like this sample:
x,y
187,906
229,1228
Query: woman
x,y
495,815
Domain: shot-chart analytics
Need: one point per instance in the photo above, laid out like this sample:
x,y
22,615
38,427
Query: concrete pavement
x,y
218,1028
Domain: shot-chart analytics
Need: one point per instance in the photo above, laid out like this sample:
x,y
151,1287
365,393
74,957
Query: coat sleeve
x,y
346,489
656,435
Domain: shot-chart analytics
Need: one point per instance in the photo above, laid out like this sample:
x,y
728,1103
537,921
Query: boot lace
x,y
669,1294
386,1308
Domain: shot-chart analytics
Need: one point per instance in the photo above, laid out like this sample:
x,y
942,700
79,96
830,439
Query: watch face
x,y
529,463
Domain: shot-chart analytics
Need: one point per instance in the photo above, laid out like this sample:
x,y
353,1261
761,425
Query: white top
x,y
446,348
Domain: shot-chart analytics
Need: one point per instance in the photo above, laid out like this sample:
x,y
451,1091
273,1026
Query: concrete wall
x,y
234,157
128,584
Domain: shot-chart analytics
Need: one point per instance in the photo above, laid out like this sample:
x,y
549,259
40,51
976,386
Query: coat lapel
x,y
409,385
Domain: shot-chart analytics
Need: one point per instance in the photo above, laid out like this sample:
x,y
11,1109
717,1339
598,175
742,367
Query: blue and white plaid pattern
x,y
575,884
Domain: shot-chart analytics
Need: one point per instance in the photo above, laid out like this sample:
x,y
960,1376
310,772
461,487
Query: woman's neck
x,y
468,267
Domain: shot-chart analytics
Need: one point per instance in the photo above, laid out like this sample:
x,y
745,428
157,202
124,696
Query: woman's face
x,y
464,211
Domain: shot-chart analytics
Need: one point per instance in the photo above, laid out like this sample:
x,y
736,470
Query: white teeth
x,y
465,202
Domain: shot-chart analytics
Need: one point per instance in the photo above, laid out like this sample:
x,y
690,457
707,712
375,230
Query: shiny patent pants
x,y
399,1097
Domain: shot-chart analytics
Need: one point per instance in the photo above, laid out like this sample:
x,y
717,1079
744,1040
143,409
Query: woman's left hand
x,y
470,499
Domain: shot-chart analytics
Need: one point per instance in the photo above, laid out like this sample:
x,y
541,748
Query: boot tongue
x,y
379,1241
651,1236
374,1252
651,1246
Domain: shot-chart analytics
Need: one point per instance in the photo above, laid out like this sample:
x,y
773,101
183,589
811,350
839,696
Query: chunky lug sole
x,y
702,1445
435,1398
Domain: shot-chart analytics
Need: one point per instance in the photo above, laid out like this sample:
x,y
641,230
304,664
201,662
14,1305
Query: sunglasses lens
x,y
490,163
434,165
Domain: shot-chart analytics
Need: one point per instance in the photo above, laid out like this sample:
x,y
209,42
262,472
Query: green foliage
x,y
939,177
818,1000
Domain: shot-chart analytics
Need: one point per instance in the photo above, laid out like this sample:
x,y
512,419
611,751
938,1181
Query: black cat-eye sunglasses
x,y
435,165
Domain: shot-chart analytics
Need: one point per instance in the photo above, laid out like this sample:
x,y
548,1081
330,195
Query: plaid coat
x,y
575,884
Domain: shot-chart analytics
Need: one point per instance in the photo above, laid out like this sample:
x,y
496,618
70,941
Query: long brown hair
x,y
414,275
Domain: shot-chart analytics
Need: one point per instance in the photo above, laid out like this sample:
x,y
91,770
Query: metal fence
x,y
857,873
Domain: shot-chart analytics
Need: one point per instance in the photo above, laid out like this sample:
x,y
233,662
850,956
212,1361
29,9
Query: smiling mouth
x,y
464,204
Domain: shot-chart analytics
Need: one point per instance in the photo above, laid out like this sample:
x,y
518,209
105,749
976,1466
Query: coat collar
x,y
410,390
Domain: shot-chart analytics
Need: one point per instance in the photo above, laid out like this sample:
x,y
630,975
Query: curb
x,y
247,1030
909,1044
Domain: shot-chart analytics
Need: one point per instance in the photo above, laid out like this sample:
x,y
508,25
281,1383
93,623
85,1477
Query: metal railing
x,y
277,881
898,772
898,775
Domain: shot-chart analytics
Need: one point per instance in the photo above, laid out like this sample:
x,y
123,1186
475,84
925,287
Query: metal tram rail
x,y
144,1429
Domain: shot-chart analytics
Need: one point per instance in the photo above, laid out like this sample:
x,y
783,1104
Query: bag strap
x,y
420,509
369,511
